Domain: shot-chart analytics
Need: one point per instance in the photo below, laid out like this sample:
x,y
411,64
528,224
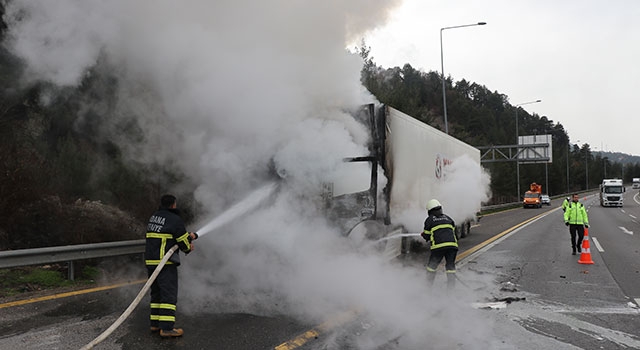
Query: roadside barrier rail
x,y
69,253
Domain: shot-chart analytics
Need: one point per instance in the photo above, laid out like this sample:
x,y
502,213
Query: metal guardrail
x,y
517,204
499,206
69,253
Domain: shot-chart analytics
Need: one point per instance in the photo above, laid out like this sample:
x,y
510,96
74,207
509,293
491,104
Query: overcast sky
x,y
580,57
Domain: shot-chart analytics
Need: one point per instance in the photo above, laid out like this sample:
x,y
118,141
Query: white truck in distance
x,y
636,183
611,193
419,162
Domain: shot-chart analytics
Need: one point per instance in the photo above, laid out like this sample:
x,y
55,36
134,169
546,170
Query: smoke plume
x,y
225,89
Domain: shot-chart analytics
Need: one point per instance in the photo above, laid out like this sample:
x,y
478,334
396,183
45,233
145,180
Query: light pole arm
x,y
464,25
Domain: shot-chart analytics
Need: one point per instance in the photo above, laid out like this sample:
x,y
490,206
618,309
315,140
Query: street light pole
x,y
518,147
444,95
546,175
586,168
568,154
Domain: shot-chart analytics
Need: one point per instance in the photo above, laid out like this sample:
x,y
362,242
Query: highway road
x,y
518,287
616,236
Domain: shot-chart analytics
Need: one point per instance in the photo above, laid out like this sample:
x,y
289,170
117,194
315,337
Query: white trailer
x,y
612,193
421,160
636,183
418,163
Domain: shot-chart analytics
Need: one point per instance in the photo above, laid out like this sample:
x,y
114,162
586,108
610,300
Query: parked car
x,y
544,199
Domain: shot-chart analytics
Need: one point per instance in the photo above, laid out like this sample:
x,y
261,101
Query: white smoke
x,y
217,87
221,90
464,186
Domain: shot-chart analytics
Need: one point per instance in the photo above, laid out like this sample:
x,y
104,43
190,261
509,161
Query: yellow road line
x,y
299,340
291,344
69,294
315,332
498,236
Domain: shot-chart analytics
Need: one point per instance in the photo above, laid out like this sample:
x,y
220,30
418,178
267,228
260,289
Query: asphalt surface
x,y
518,288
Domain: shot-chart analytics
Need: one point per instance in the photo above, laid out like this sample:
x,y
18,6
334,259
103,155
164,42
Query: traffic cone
x,y
585,255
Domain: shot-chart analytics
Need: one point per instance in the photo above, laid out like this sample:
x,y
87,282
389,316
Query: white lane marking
x,y
598,246
624,229
622,210
633,216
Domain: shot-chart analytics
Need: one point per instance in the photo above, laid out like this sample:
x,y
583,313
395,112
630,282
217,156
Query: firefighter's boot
x,y
176,332
431,276
451,280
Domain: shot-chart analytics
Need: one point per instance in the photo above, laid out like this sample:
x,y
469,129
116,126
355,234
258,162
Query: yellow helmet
x,y
433,204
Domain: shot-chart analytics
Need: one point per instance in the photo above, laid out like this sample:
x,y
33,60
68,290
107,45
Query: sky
x,y
226,90
580,57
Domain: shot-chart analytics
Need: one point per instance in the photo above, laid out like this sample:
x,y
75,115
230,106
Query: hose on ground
x,y
133,304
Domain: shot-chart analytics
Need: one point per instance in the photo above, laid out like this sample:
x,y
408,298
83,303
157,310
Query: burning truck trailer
x,y
415,160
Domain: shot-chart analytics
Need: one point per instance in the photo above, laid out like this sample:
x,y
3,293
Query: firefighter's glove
x,y
425,236
193,236
566,223
586,226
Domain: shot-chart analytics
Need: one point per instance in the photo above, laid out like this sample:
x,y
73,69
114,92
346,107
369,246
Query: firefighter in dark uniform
x,y
164,230
439,229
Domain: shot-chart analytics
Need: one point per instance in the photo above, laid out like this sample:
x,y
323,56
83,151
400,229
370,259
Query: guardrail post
x,y
70,270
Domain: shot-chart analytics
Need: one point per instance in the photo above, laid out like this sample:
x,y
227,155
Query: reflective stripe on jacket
x,y
164,230
576,214
441,228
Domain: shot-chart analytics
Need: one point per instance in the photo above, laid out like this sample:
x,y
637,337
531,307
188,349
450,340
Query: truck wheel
x,y
366,232
463,230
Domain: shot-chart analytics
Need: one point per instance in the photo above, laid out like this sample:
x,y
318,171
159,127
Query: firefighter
x,y
439,230
566,203
164,230
576,218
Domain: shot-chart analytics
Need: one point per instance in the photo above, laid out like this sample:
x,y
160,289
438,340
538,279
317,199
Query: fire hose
x,y
133,304
252,201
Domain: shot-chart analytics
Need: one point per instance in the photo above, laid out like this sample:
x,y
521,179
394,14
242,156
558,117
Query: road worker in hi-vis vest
x,y
575,216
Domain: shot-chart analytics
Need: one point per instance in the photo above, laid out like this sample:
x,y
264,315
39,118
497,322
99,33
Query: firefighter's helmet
x,y
433,204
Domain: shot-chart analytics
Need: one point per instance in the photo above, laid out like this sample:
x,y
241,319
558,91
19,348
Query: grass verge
x,y
40,278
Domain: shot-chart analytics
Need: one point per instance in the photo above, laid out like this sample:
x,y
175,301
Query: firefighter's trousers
x,y
164,297
449,254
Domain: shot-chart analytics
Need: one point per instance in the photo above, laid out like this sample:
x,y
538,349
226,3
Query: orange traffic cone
x,y
585,255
